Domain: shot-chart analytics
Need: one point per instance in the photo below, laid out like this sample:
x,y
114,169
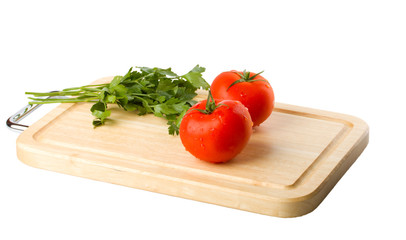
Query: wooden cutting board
x,y
290,164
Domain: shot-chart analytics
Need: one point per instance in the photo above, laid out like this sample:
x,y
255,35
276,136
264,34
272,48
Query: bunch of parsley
x,y
145,90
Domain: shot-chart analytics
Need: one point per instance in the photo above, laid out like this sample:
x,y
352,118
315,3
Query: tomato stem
x,y
210,105
245,77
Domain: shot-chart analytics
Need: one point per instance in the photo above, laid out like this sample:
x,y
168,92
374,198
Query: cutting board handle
x,y
13,121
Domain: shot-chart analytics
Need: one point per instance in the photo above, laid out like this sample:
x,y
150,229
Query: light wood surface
x,y
290,164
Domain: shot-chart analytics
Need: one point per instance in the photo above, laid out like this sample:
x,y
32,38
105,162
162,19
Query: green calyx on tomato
x,y
245,77
210,105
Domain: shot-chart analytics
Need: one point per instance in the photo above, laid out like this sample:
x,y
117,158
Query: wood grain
x,y
291,163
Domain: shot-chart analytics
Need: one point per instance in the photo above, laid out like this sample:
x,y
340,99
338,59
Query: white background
x,y
342,56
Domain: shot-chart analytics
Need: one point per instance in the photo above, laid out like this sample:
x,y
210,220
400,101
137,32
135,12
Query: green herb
x,y
146,90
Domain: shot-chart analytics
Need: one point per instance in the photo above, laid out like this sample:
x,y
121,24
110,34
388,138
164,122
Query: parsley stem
x,y
88,87
61,93
65,100
91,89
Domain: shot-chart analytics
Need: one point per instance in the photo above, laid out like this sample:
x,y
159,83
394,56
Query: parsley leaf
x,y
195,77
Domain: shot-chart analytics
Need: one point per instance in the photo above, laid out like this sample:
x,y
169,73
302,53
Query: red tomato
x,y
217,136
250,89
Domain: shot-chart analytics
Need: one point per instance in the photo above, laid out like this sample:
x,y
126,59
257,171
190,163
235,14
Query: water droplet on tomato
x,y
211,131
202,146
243,94
220,118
